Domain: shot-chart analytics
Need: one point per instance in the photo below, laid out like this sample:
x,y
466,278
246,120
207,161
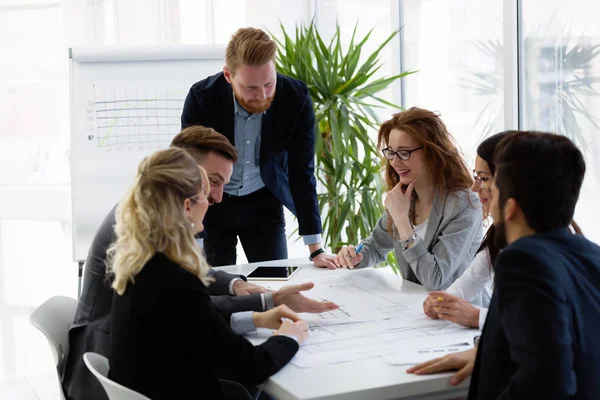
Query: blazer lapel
x,y
266,130
224,112
435,217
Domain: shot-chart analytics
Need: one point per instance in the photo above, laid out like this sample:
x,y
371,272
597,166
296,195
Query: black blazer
x,y
540,339
287,150
168,341
91,329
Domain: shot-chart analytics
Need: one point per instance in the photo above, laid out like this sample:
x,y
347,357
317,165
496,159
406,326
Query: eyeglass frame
x,y
397,153
481,180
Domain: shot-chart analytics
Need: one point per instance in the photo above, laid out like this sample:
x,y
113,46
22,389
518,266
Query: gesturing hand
x,y
241,288
428,304
291,297
325,261
299,329
455,309
463,362
347,257
272,319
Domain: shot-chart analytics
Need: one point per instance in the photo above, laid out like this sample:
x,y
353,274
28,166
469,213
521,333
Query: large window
x,y
35,237
464,66
381,20
33,98
457,48
561,87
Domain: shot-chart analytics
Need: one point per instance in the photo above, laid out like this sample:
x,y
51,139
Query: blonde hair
x,y
249,46
151,218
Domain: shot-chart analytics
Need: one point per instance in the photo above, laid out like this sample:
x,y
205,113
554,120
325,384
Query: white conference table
x,y
362,379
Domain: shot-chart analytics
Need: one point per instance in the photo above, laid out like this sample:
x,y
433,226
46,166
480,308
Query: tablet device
x,y
274,273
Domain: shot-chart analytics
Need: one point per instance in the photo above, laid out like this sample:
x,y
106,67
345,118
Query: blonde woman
x,y
167,339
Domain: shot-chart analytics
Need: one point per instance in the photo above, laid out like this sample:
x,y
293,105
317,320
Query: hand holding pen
x,y
349,256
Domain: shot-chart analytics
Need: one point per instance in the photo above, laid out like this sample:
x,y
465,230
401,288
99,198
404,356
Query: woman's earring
x,y
193,225
486,219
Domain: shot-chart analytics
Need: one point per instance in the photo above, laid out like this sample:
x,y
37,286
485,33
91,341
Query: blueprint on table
x,y
374,320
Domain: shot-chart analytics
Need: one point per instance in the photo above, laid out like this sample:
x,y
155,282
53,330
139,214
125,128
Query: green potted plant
x,y
344,91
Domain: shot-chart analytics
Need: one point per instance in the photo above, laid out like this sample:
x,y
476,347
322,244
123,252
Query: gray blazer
x,y
453,235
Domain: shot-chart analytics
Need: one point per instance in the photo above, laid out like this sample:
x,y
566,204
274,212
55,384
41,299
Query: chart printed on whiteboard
x,y
130,117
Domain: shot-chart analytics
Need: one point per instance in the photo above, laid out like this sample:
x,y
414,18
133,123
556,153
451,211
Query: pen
x,y
359,248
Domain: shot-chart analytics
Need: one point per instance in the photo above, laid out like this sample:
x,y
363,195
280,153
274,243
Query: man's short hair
x,y
249,46
199,141
543,172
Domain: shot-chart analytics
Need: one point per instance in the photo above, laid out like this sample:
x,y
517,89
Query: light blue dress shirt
x,y
242,323
245,178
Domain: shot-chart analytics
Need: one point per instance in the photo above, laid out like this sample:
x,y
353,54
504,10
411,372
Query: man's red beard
x,y
254,106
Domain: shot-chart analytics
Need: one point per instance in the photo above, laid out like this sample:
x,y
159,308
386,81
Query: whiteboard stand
x,y
126,102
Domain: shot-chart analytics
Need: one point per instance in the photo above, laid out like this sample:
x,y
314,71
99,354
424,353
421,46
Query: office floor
x,y
27,371
38,388
35,264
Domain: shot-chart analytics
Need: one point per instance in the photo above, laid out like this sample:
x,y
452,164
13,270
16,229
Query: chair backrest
x,y
99,366
52,318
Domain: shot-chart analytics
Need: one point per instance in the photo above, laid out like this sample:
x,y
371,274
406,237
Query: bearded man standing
x,y
270,120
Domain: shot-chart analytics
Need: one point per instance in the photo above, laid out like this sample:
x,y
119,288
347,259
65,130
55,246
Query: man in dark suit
x,y
269,118
540,337
230,293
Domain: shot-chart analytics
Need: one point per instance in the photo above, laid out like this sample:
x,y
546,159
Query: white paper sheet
x,y
374,320
425,354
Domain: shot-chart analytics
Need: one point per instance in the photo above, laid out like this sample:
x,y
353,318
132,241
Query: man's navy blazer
x,y
540,339
287,150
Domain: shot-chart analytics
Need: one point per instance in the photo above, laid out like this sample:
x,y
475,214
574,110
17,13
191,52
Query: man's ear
x,y
511,209
227,74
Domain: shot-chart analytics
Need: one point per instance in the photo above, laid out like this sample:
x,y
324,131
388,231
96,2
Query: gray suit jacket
x,y
91,329
453,235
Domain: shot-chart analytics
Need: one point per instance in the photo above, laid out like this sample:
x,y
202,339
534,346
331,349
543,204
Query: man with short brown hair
x,y
91,327
269,118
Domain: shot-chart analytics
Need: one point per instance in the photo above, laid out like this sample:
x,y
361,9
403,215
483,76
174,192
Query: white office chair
x,y
99,366
52,318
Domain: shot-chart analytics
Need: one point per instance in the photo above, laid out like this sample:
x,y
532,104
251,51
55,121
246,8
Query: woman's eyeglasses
x,y
403,155
481,179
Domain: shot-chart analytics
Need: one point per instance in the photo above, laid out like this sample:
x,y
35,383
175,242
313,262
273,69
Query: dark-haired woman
x,y
476,284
